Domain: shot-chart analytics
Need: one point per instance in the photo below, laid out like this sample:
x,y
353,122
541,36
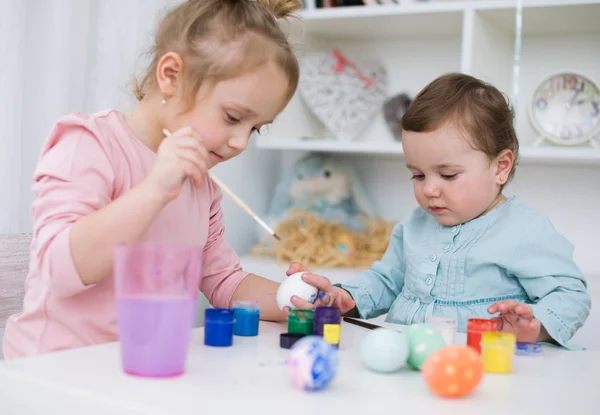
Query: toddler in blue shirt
x,y
467,251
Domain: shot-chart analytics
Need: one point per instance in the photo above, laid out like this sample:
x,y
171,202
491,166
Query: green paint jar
x,y
301,321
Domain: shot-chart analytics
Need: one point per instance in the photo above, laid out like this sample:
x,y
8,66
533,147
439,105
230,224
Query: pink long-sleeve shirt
x,y
87,162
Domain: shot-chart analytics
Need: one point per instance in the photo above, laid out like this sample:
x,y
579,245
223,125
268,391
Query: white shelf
x,y
330,146
576,156
446,18
383,22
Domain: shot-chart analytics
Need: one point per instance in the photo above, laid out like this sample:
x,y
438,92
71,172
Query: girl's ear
x,y
504,162
168,73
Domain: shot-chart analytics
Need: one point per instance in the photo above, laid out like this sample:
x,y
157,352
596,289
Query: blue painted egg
x,y
312,363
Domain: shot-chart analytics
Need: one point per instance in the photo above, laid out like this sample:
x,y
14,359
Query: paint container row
x,y
322,321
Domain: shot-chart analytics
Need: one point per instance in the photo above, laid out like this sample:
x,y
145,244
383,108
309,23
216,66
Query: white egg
x,y
384,350
294,285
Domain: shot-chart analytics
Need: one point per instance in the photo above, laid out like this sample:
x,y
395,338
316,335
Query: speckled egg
x,y
453,371
422,340
384,350
312,363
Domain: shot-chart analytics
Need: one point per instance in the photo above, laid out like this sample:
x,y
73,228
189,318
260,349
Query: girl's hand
x,y
179,156
328,295
518,318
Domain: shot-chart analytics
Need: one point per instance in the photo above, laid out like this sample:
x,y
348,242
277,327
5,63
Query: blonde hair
x,y
221,39
480,109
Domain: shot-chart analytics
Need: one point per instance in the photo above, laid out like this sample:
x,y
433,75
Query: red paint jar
x,y
477,326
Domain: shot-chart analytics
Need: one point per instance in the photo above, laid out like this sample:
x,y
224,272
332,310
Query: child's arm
x,y
74,178
544,265
76,222
263,291
375,290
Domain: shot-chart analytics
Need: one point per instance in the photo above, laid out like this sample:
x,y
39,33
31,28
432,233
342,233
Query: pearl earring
x,y
164,101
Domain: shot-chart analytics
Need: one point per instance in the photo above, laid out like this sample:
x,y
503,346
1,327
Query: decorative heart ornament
x,y
345,95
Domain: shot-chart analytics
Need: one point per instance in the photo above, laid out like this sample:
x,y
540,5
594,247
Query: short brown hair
x,y
476,107
221,39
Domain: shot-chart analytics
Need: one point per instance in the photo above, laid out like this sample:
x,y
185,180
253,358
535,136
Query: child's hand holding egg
x,y
292,286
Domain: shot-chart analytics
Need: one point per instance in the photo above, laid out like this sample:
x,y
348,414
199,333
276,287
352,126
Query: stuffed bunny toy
x,y
325,186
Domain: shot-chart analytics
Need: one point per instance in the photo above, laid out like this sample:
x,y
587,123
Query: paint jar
x,y
247,316
301,321
528,349
477,326
328,324
497,351
446,326
218,327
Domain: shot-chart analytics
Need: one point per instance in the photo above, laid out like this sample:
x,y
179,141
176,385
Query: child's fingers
x,y
193,144
503,306
300,303
296,267
322,283
190,169
346,303
193,166
193,158
528,330
525,311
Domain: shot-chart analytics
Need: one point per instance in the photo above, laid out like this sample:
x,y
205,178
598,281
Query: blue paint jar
x,y
218,327
247,316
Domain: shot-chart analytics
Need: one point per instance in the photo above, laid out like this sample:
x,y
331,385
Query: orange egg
x,y
453,371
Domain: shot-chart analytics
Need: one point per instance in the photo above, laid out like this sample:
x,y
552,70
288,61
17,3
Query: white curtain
x,y
60,56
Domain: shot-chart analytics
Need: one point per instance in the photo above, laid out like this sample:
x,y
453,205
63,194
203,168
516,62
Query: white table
x,y
251,377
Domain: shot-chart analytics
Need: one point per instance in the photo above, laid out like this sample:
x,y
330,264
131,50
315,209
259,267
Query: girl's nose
x,y
431,189
239,142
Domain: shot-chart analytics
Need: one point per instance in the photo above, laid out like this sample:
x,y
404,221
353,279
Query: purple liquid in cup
x,y
155,335
156,288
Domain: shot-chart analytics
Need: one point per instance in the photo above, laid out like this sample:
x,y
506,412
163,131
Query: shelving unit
x,y
549,155
417,42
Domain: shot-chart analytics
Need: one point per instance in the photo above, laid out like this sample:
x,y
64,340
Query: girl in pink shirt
x,y
221,70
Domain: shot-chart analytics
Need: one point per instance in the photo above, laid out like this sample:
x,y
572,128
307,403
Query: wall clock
x,y
565,109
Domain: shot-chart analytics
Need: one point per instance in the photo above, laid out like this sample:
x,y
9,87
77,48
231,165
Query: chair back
x,y
14,266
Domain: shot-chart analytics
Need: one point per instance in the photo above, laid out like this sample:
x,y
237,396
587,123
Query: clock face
x,y
566,108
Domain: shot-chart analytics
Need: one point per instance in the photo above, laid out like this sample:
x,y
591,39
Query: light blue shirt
x,y
512,252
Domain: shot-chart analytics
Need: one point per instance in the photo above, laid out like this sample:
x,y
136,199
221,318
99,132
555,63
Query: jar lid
x,y
287,340
246,305
482,324
528,348
301,315
218,315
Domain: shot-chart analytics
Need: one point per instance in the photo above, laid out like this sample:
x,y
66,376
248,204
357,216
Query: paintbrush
x,y
239,201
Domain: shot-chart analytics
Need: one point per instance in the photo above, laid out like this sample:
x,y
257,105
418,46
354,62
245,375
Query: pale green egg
x,y
384,350
422,339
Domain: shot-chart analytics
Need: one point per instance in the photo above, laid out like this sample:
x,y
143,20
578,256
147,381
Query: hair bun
x,y
281,9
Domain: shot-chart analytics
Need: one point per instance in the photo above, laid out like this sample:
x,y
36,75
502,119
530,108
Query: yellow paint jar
x,y
497,351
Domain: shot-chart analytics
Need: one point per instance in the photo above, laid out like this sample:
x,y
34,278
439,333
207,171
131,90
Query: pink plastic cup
x,y
156,288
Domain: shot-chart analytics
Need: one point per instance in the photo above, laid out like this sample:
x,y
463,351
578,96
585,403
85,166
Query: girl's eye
x,y
417,177
449,176
231,119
